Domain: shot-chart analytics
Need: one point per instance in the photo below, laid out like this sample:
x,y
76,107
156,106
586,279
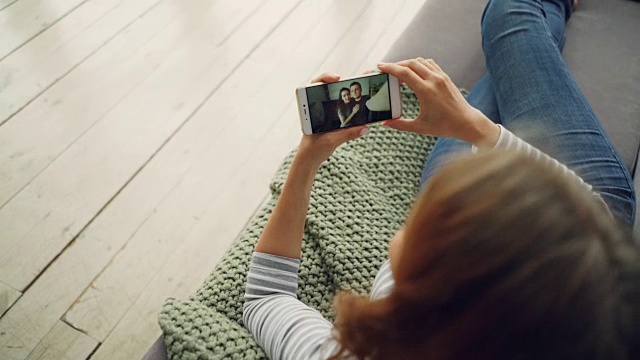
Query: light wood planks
x,y
64,343
38,64
52,122
27,18
203,89
61,200
170,213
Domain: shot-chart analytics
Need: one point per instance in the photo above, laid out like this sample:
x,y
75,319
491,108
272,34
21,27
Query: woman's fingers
x,y
414,72
326,77
438,74
403,73
357,132
337,138
430,64
419,68
434,63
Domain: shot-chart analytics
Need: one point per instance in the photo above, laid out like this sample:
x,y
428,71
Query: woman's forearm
x,y
482,132
283,233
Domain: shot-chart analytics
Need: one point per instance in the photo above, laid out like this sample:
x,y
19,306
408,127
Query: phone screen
x,y
352,102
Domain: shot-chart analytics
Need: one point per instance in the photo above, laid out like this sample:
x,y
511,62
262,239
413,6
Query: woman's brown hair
x,y
502,258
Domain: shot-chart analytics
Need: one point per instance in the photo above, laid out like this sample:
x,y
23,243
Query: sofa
x,y
602,51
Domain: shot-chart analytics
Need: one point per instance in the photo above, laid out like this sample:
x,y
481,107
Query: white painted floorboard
x,y
40,63
137,138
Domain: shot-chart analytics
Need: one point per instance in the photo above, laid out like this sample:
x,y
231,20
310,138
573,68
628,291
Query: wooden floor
x,y
137,137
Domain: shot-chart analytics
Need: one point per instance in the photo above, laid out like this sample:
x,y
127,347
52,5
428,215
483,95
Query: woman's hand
x,y
317,148
443,109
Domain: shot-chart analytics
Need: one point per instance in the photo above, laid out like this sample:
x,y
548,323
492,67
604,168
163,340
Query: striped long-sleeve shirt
x,y
285,327
508,140
281,324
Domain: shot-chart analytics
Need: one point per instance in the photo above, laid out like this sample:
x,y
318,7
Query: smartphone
x,y
349,102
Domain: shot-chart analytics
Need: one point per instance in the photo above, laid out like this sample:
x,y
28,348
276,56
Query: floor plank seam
x,y
240,24
53,260
78,329
94,351
285,17
9,4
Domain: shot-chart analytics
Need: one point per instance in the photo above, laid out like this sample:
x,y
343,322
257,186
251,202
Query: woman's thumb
x,y
352,133
357,132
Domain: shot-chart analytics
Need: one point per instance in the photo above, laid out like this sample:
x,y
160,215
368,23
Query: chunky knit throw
x,y
360,197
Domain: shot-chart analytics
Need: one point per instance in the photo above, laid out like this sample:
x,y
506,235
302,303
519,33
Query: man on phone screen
x,y
362,116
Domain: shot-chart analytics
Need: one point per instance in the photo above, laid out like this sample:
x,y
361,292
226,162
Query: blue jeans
x,y
529,90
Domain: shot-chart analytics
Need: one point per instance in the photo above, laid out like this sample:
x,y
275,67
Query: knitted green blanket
x,y
359,199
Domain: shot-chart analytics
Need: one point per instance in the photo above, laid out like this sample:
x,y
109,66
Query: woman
x,y
517,258
345,108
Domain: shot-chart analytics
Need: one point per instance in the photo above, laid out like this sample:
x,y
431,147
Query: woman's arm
x,y
282,235
282,325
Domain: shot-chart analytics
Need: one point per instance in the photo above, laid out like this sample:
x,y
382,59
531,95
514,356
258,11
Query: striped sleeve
x,y
508,140
281,324
383,283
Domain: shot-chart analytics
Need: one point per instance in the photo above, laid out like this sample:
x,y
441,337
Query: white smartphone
x,y
349,102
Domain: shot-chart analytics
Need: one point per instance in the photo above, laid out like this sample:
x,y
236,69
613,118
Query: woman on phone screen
x,y
507,253
345,108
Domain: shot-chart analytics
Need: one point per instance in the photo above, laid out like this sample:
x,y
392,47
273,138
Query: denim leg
x,y
483,98
556,14
539,100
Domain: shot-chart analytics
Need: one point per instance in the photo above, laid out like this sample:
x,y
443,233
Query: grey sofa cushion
x,y
602,51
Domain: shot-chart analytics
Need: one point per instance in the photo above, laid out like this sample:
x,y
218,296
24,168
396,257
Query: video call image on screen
x,y
349,103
